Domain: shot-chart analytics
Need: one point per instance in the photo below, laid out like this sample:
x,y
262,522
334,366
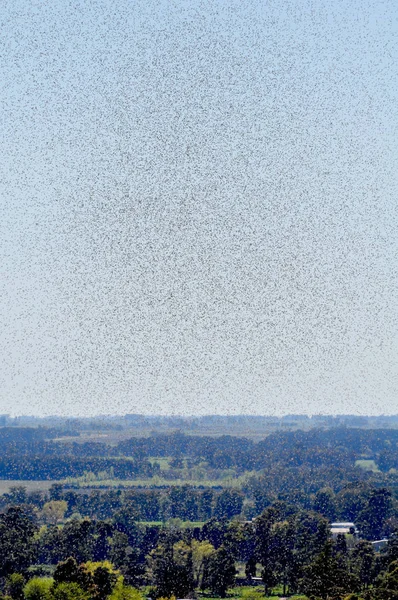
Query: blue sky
x,y
199,207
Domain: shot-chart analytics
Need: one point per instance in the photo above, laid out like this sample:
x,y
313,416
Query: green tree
x,y
350,501
283,544
17,547
214,531
206,504
68,571
54,511
171,569
125,592
264,546
200,552
38,588
77,540
229,503
17,494
310,532
325,578
56,491
125,521
118,551
371,520
133,567
69,591
219,572
15,586
387,585
325,503
363,558
104,582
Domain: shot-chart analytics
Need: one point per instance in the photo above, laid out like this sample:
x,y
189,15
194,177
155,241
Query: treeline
x,y
373,509
284,546
29,455
215,423
63,466
337,447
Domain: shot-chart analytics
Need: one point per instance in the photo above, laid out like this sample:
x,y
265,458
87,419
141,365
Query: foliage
x,y
69,591
125,592
219,572
387,588
17,549
54,511
200,553
38,588
326,578
69,571
15,586
171,569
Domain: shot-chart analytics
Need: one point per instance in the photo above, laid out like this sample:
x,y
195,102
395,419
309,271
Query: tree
x,y
261,500
17,548
133,567
17,494
56,491
283,556
54,511
214,531
234,539
119,545
68,571
125,592
200,552
363,557
15,586
125,521
351,501
104,582
264,546
101,544
325,503
206,504
69,591
77,540
171,569
229,503
325,578
38,588
372,518
219,572
387,586
251,567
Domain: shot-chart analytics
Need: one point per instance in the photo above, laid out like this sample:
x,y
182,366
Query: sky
x,y
198,207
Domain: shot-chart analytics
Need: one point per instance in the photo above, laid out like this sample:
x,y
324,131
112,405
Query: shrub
x,y
38,588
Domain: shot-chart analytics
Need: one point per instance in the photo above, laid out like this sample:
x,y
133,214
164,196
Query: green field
x,y
252,593
178,522
31,486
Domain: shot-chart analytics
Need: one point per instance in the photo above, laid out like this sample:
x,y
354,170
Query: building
x,y
379,544
343,528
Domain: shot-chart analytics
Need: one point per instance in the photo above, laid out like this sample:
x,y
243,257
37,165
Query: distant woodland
x,y
103,512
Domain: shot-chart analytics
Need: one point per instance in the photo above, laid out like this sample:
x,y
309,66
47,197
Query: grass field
x,y
182,524
252,593
31,486
113,437
367,465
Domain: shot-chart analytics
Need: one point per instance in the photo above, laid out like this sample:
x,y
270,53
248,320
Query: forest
x,y
178,515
